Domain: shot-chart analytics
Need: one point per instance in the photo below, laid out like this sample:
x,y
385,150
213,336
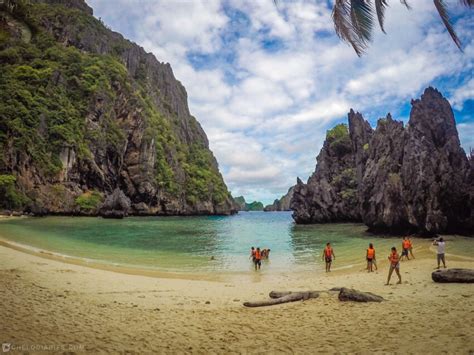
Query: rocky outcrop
x,y
282,204
394,178
453,276
330,195
113,117
116,205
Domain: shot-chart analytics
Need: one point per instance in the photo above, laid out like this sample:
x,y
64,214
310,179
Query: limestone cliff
x,y
394,178
86,112
282,204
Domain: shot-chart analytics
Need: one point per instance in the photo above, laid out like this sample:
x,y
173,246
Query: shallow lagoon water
x,y
187,244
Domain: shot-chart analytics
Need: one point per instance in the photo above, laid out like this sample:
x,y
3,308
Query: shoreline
x,y
55,303
421,250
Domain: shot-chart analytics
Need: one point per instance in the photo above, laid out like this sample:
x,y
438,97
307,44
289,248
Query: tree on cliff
x,y
354,20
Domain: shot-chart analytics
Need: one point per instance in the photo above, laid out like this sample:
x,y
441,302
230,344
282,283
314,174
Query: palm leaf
x,y
341,16
468,3
362,19
380,6
405,2
443,13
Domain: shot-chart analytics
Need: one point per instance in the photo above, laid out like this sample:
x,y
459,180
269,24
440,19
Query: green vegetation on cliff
x,y
89,200
338,139
10,197
55,96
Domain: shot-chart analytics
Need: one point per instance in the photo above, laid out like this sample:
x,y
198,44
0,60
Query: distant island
x,y
244,206
396,178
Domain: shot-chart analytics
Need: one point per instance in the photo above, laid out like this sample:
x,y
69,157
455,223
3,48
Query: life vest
x,y
394,258
406,244
328,252
257,255
370,253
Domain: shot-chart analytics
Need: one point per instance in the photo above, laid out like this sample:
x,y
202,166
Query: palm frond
x,y
341,16
353,21
469,3
443,13
405,2
380,6
362,18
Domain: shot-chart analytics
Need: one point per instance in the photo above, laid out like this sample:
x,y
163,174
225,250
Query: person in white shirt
x,y
441,250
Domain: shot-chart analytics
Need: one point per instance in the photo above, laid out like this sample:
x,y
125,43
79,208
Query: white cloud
x,y
462,94
466,134
267,97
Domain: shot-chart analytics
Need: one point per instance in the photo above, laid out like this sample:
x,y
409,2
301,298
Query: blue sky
x,y
267,82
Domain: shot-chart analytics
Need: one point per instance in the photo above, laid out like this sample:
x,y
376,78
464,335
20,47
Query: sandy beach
x,y
48,305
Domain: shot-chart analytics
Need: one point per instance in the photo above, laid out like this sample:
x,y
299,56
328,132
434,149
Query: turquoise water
x,y
186,244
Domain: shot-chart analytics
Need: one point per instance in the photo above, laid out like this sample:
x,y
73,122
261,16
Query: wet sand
x,y
54,306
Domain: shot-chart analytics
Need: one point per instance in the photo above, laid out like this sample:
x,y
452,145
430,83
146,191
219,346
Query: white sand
x,y
63,306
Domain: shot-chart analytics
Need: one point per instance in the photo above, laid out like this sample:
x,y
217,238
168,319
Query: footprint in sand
x,y
66,271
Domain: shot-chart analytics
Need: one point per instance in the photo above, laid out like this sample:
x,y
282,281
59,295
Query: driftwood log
x,y
283,297
347,294
453,275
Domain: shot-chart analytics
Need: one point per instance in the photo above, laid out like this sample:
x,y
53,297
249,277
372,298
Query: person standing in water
x,y
252,254
394,259
328,256
258,259
370,257
440,252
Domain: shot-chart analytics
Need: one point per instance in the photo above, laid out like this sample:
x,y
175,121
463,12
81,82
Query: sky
x,y
266,82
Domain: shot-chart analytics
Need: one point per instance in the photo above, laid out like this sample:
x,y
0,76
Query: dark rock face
x,y
380,190
283,204
116,205
415,178
435,168
331,192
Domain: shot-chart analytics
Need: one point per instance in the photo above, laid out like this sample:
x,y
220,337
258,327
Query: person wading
x,y
328,256
258,259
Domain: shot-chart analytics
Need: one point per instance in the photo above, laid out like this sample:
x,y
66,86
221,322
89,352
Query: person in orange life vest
x,y
252,254
394,259
410,248
370,257
405,247
258,259
328,256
